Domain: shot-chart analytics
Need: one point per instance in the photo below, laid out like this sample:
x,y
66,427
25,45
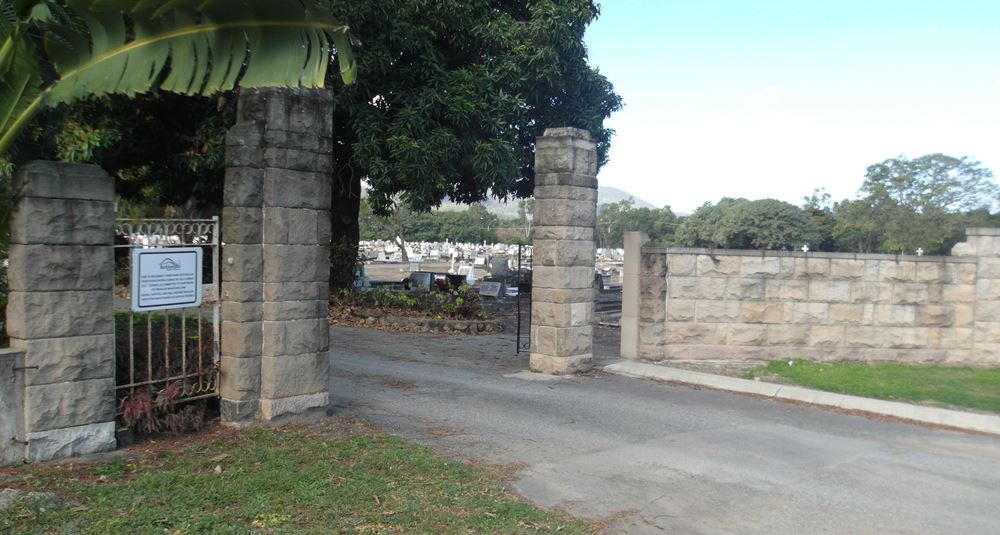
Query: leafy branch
x,y
56,51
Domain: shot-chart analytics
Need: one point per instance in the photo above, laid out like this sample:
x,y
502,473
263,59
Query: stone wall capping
x,y
799,254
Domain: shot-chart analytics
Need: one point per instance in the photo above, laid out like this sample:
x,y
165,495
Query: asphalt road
x,y
657,458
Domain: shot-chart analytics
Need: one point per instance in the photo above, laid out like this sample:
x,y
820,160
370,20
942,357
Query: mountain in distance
x,y
508,210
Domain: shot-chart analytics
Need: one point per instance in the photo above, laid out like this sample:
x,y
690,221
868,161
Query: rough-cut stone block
x,y
551,365
681,265
697,288
760,267
293,226
240,378
757,312
558,156
812,268
242,312
906,337
826,335
718,265
306,407
570,193
830,291
680,309
934,316
562,277
288,188
546,232
295,375
652,266
854,314
566,253
242,262
809,312
865,336
871,292
63,267
897,271
955,338
746,335
246,133
242,340
744,289
960,273
565,179
562,314
986,332
295,310
242,225
242,292
652,287
70,442
58,314
57,180
872,271
910,294
298,263
846,269
963,314
561,212
75,358
717,311
69,404
895,314
989,268
295,160
243,187
561,341
654,333
298,291
561,295
237,412
787,335
696,333
239,155
39,220
296,337
786,290
930,272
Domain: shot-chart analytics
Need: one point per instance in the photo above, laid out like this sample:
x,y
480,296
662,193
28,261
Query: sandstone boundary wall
x,y
702,304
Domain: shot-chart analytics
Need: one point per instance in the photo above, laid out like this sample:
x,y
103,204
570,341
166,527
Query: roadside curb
x,y
983,423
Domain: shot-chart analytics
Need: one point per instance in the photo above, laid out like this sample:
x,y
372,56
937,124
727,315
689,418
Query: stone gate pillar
x,y
565,213
275,262
60,308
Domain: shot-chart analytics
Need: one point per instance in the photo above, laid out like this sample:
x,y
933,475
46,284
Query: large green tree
x,y
615,219
450,98
922,203
745,224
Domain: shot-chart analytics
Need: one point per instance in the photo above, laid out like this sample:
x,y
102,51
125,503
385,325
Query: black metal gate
x,y
524,298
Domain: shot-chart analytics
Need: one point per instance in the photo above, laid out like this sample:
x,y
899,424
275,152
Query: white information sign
x,y
166,277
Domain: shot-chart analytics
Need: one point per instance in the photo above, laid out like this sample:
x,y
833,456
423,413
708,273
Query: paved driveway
x,y
662,458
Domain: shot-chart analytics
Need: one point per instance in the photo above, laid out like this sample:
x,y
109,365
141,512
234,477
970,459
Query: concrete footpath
x,y
649,457
966,421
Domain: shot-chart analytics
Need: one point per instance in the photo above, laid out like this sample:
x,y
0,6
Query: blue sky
x,y
758,99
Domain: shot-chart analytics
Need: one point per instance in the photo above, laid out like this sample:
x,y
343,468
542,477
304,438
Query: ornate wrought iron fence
x,y
158,356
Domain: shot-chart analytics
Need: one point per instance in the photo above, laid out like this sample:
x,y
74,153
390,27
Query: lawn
x,y
973,388
336,477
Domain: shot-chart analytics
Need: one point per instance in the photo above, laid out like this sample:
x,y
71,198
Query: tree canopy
x,y
57,51
745,224
615,219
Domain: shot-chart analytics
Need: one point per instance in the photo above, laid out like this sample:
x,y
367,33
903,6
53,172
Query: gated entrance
x,y
171,355
523,299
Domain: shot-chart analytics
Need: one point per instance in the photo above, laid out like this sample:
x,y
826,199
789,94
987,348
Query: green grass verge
x,y
941,386
299,480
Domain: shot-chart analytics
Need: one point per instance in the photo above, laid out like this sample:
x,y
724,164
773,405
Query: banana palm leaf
x,y
194,47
